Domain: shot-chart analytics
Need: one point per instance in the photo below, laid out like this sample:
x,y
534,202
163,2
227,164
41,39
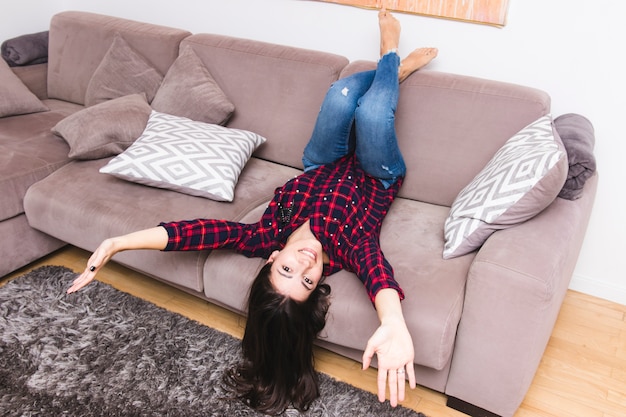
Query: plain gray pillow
x,y
188,90
105,129
121,72
15,97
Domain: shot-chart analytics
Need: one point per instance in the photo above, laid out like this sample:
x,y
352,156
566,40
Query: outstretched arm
x,y
153,238
393,345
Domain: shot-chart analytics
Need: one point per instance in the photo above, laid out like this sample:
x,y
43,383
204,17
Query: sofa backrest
x,y
277,90
449,126
79,40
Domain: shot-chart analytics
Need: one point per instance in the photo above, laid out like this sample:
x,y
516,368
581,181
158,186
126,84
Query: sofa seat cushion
x,y
28,153
412,240
66,108
81,206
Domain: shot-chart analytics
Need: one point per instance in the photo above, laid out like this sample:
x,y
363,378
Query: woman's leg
x,y
332,136
376,143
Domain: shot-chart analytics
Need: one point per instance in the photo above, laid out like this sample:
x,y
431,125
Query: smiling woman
x,y
297,268
324,220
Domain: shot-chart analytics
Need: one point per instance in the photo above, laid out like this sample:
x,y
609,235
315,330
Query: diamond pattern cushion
x,y
187,156
121,72
189,90
521,179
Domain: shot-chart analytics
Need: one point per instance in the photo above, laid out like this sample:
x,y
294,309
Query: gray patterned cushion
x,y
521,179
187,156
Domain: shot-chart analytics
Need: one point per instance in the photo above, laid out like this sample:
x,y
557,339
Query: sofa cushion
x,y
95,206
411,239
28,152
521,179
79,40
277,90
15,97
123,71
450,125
187,156
105,129
188,90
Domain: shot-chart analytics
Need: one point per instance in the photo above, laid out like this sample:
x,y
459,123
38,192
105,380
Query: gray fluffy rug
x,y
102,352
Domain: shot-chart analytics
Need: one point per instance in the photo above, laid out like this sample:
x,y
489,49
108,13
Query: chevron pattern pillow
x,y
187,156
520,180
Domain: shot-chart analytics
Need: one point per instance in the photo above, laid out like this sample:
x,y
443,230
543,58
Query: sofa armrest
x,y
35,77
515,289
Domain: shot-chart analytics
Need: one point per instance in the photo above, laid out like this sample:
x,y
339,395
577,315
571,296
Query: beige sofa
x,y
480,321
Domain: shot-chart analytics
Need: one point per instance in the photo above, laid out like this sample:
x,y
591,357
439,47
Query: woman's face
x,y
297,268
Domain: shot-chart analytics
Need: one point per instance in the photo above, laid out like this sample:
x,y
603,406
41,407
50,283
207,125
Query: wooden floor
x,y
583,372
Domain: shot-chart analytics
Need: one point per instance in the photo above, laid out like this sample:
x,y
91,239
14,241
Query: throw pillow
x,y
15,97
121,72
187,156
521,179
189,90
105,129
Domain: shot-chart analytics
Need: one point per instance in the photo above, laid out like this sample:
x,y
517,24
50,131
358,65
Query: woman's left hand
x,y
393,346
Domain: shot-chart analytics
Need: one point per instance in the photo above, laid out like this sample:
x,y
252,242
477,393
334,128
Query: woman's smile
x,y
310,253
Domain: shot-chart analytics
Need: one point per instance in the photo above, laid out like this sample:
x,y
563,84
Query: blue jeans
x,y
358,115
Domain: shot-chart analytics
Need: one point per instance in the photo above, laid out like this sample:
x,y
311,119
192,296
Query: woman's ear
x,y
272,257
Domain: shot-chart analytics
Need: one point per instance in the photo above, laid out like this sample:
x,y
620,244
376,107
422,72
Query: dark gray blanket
x,y
578,137
26,49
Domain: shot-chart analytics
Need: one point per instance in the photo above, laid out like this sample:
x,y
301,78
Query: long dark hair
x,y
278,366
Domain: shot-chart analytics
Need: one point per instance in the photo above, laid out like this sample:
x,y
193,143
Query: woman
x,y
326,219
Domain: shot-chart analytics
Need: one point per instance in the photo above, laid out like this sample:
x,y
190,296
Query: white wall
x,y
573,49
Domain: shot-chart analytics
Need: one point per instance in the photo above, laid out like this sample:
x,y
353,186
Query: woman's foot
x,y
417,59
389,32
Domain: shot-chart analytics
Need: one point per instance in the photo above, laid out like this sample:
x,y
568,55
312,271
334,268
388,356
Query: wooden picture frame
x,y
490,12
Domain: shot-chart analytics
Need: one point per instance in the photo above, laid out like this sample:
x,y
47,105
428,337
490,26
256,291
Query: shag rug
x,y
102,352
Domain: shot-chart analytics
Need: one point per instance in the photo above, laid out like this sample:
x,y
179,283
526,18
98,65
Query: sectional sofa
x,y
481,244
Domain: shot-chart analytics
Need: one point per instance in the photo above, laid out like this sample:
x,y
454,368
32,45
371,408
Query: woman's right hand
x,y
98,259
153,238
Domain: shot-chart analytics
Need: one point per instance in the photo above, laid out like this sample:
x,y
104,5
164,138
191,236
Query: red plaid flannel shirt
x,y
345,207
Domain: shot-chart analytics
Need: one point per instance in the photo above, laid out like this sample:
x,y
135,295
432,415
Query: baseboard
x,y
593,287
469,409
